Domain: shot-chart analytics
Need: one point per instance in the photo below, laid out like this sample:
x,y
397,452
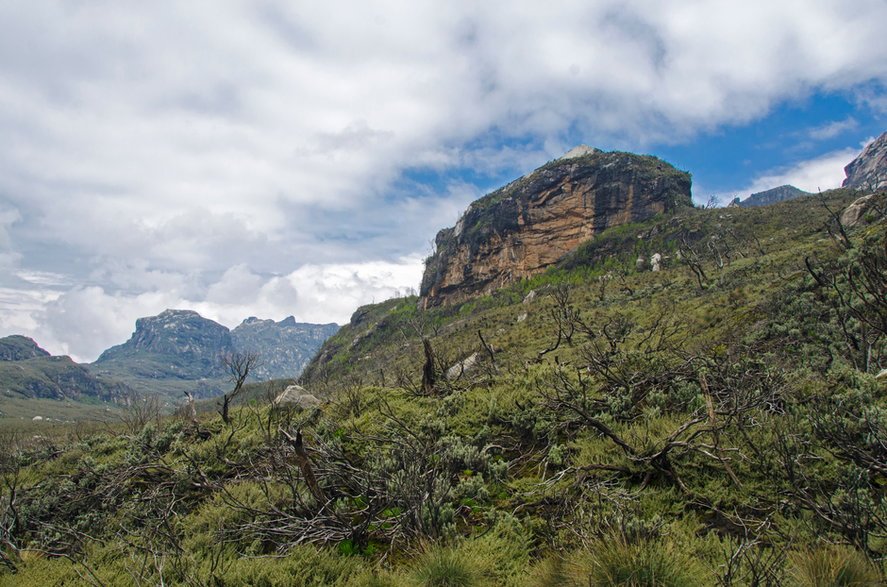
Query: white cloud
x,y
832,129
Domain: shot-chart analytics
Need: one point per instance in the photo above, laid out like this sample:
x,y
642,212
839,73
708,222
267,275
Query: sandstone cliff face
x,y
869,170
519,230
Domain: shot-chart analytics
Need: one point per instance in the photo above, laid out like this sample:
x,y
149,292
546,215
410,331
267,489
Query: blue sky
x,y
272,158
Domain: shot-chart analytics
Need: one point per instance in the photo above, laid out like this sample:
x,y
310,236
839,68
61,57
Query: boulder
x,y
296,396
656,262
852,213
462,367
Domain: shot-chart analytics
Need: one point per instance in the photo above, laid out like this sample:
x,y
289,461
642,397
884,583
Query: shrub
x,y
445,566
637,564
832,566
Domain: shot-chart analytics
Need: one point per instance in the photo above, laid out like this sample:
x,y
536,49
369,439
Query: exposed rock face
x,y
19,348
284,347
178,350
195,343
528,225
869,170
864,210
771,196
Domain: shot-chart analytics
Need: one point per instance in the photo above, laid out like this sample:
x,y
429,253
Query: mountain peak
x,y
773,195
18,348
521,229
869,170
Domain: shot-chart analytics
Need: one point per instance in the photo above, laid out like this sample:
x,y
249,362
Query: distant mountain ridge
x,y
284,347
771,196
180,350
17,348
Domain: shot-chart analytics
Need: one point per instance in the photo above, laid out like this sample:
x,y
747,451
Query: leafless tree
x,y
238,366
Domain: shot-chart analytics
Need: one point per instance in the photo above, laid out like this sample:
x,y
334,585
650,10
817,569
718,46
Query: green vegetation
x,y
718,422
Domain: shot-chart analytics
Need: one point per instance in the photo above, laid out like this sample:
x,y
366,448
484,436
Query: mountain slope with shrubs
x,y
719,420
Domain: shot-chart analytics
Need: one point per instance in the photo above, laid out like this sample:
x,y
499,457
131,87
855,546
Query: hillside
x,y
35,384
16,348
692,399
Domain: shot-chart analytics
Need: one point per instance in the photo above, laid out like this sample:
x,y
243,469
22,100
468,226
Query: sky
x,y
267,158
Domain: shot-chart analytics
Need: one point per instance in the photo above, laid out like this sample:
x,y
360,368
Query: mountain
x,y
29,375
700,252
869,170
284,347
521,229
16,348
771,196
57,378
179,350
176,350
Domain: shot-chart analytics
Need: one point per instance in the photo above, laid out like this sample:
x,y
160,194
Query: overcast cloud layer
x,y
260,158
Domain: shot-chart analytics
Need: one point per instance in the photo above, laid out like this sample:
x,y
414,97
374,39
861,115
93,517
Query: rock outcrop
x,y
771,196
179,350
191,343
19,348
869,170
284,347
528,225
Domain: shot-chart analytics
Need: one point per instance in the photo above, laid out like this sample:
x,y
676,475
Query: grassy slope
x,y
514,473
768,247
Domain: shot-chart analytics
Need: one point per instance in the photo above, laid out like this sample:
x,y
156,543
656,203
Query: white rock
x,y
655,261
463,366
850,215
296,396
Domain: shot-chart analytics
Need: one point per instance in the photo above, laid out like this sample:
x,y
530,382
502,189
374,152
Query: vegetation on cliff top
x,y
718,421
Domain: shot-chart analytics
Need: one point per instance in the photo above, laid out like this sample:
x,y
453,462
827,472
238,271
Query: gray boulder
x,y
296,396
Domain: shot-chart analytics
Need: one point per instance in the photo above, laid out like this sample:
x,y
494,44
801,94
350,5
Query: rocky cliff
x,y
192,342
869,170
284,347
526,226
771,196
179,350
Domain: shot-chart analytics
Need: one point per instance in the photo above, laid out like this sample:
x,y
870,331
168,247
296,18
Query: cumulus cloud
x,y
199,153
824,172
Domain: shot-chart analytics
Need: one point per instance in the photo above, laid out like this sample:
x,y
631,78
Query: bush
x,y
832,566
638,564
